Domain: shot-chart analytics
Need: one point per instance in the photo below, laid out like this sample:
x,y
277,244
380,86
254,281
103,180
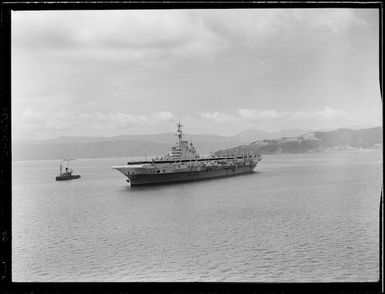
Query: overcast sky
x,y
105,73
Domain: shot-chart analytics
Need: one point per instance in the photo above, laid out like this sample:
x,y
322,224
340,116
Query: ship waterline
x,y
182,163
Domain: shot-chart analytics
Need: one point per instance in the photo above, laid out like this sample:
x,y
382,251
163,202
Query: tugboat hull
x,y
67,178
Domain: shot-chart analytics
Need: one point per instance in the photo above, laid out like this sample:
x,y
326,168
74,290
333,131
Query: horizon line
x,y
199,134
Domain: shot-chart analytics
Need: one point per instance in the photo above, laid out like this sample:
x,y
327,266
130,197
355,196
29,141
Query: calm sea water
x,y
299,218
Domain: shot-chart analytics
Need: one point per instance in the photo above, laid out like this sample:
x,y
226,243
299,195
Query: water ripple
x,y
298,220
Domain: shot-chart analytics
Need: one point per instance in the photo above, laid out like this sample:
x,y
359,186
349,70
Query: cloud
x,y
334,20
29,124
30,116
255,114
118,122
324,118
163,116
217,117
143,35
292,27
26,118
119,70
131,34
326,114
330,113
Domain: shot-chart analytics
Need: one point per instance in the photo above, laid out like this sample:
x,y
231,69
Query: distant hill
x,y
250,135
295,140
122,148
131,145
364,138
340,139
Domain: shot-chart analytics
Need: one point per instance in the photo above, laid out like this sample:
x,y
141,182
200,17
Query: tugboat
x,y
183,163
67,174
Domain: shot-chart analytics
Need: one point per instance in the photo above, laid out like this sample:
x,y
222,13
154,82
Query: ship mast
x,y
68,162
179,131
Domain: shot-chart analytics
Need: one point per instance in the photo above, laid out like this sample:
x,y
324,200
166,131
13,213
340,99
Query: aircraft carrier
x,y
183,163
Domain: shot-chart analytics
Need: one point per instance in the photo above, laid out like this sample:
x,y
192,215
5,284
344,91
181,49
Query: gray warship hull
x,y
182,164
148,179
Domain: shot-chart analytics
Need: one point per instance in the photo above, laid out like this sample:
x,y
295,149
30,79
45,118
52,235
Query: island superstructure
x,y
183,163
